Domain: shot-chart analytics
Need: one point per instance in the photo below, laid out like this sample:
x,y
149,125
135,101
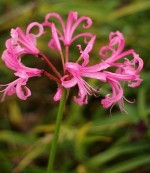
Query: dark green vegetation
x,y
91,139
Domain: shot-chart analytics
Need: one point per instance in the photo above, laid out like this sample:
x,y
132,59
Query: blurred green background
x,y
91,140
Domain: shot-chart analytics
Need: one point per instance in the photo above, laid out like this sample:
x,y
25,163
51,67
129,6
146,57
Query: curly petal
x,y
40,29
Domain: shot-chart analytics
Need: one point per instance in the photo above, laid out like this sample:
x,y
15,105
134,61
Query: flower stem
x,y
62,60
51,77
67,53
50,64
56,132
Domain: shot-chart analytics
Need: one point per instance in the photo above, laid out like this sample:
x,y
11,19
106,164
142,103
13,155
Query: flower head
x,y
117,66
24,43
16,87
18,45
19,85
13,61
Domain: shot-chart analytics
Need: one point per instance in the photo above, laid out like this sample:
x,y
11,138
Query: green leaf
x,y
35,150
128,165
113,152
15,137
130,9
14,113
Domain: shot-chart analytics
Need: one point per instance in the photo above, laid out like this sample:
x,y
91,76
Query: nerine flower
x,y
19,85
77,72
23,73
126,71
24,43
17,46
16,87
12,58
66,35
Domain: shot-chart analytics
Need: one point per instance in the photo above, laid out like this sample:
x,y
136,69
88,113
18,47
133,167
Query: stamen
x,y
90,90
128,100
79,59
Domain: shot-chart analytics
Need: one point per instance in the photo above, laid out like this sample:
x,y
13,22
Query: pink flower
x,y
24,43
127,67
13,62
126,71
18,87
75,78
12,59
115,97
115,47
68,29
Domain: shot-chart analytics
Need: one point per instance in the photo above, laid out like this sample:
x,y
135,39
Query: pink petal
x,y
116,97
116,38
40,29
57,16
85,53
72,17
21,90
82,94
68,83
54,43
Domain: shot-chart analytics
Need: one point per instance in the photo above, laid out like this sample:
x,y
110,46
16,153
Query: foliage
x,y
92,140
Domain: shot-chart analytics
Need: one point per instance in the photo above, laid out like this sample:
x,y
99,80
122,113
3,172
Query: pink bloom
x,y
126,71
115,48
127,67
24,43
13,61
75,78
68,29
18,87
11,57
115,97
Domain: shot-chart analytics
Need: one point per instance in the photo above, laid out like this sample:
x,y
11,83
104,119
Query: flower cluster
x,y
126,63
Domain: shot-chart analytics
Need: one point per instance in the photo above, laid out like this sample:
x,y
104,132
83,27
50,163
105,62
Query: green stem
x,y
56,132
